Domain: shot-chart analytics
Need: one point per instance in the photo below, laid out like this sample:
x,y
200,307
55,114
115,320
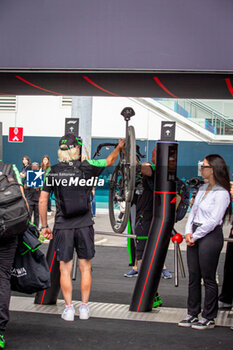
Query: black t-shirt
x,y
33,194
91,170
24,171
144,207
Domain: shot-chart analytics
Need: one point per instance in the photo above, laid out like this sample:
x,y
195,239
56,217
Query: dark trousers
x,y
202,261
226,295
34,208
7,254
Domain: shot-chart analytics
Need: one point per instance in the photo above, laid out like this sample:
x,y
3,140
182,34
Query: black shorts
x,y
82,239
141,230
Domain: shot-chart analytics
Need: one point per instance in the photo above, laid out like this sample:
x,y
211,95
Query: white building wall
x,y
38,115
45,116
107,121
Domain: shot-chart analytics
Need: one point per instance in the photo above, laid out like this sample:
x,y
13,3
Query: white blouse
x,y
207,211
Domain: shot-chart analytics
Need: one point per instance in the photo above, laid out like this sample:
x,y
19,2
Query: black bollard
x,y
160,230
49,296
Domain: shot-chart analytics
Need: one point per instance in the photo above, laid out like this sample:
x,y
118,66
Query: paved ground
x,y
112,325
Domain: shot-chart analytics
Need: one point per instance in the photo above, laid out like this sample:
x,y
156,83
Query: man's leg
x,y
36,214
7,253
31,208
226,296
65,281
86,279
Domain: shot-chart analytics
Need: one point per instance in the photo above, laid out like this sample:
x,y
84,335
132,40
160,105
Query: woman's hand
x,y
188,239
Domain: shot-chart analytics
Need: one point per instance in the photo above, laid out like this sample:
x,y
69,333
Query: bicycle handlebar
x,y
101,145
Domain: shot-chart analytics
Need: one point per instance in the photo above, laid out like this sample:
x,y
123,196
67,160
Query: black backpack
x,y
183,192
74,199
14,215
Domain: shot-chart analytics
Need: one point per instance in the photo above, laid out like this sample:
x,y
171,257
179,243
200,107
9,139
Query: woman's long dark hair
x,y
221,176
48,165
28,159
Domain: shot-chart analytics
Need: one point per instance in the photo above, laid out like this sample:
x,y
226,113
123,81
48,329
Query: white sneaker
x,y
68,313
84,312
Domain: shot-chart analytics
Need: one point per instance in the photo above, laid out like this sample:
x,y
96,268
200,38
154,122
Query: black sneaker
x,y
204,324
2,342
188,321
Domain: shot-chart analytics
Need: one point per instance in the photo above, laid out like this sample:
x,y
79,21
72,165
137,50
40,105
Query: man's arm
x,y
146,169
43,206
110,160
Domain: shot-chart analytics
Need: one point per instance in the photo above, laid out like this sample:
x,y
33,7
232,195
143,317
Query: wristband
x,y
42,227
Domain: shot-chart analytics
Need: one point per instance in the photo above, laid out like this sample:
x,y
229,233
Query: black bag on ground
x,y
74,199
30,271
14,215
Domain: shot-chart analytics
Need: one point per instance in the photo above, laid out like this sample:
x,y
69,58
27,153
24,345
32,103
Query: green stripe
x,y
16,171
142,237
32,224
153,166
100,163
33,250
129,243
45,175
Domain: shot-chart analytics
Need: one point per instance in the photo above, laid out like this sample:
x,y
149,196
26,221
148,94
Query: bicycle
x,y
122,181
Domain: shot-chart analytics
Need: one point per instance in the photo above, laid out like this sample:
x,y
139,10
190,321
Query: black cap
x,y
70,140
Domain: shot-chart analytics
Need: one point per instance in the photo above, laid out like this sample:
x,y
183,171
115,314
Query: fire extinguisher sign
x,y
15,134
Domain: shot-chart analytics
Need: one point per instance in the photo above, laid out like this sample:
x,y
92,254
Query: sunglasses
x,y
206,166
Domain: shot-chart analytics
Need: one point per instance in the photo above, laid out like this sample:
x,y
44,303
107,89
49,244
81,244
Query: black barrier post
x,y
162,222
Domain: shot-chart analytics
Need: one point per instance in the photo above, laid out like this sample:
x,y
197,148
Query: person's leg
x,y
65,281
93,206
226,295
65,249
31,207
7,253
165,273
86,279
194,287
85,247
209,251
36,214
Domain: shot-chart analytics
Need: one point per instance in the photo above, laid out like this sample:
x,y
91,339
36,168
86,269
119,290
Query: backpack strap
x,y
7,169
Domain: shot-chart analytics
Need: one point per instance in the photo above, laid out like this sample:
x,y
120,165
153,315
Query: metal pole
x,y
115,234
181,262
176,264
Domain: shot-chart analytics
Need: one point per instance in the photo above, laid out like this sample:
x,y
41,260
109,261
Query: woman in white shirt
x,y
204,238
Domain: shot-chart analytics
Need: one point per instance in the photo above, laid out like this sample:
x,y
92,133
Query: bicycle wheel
x,y
130,168
122,185
118,207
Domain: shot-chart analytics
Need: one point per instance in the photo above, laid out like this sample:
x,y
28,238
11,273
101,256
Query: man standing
x,y
73,226
144,216
33,198
7,253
